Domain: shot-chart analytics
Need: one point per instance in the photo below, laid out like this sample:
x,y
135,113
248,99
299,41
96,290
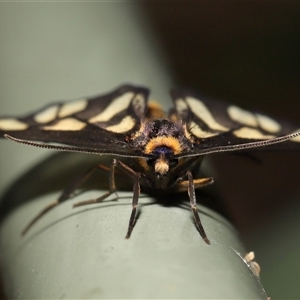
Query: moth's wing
x,y
216,124
102,122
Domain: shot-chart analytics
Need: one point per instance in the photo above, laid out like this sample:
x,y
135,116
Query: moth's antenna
x,y
244,146
73,149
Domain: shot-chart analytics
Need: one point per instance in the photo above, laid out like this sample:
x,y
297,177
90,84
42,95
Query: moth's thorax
x,y
157,133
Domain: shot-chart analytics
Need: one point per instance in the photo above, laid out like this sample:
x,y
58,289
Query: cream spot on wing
x,y
180,105
198,132
242,116
12,124
72,107
116,106
251,133
69,124
297,138
201,111
46,115
125,125
268,124
139,104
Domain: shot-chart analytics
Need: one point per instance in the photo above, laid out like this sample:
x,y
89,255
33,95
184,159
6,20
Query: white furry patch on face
x,y
161,166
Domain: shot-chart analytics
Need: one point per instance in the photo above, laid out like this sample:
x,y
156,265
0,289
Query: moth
x,y
163,149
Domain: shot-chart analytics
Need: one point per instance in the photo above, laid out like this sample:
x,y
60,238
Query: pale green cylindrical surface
x,y
61,51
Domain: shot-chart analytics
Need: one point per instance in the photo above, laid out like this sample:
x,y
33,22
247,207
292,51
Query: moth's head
x,y
163,162
163,140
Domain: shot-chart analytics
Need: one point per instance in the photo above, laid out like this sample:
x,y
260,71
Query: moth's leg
x,y
135,176
112,186
66,194
183,185
112,189
135,199
191,191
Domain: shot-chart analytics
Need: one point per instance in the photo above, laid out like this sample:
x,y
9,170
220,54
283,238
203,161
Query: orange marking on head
x,y
160,141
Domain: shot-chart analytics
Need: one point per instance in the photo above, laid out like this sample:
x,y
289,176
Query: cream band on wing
x,y
68,124
12,124
203,113
252,119
47,115
125,125
116,106
72,107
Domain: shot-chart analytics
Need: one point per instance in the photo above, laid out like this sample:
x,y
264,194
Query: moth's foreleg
x,y
191,191
66,194
135,199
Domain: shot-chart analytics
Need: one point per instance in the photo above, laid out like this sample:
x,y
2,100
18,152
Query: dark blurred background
x,y
247,53
244,53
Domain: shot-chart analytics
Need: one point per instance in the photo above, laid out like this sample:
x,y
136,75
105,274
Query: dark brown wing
x,y
216,126
101,123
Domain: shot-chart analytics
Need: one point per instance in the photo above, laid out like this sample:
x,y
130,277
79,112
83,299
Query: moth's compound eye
x,y
173,163
151,162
